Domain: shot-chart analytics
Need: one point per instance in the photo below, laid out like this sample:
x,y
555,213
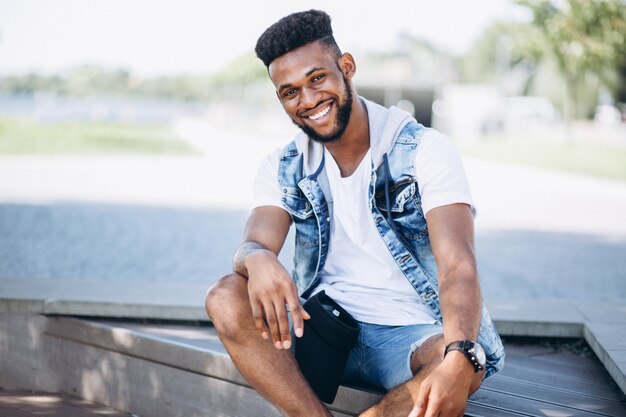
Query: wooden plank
x,y
603,388
8,411
547,349
531,407
338,414
41,404
93,408
503,382
522,389
563,363
475,409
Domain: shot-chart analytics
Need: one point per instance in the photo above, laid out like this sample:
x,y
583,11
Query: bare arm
x,y
266,229
451,229
270,286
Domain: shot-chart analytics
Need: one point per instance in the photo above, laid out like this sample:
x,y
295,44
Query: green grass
x,y
597,160
25,136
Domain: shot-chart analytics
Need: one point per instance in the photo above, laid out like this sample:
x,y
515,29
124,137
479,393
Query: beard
x,y
344,110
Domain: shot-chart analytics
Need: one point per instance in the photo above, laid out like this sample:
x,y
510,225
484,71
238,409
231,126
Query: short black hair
x,y
294,31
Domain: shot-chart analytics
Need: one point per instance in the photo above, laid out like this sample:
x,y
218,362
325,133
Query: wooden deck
x,y
32,404
549,380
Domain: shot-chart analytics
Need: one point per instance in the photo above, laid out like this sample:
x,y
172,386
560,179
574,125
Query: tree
x,y
583,36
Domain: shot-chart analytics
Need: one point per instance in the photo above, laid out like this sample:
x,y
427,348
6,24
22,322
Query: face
x,y
315,91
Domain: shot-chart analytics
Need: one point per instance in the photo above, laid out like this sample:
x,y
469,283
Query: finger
x,y
257,316
433,408
283,324
422,401
298,315
272,323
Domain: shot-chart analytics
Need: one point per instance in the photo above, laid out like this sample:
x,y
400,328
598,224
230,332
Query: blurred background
x,y
130,134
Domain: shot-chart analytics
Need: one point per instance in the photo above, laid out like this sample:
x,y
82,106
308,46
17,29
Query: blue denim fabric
x,y
395,205
382,355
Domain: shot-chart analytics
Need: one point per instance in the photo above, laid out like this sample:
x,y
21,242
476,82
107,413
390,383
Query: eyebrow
x,y
308,73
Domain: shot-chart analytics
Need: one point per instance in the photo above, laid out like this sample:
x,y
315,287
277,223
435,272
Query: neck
x,y
350,149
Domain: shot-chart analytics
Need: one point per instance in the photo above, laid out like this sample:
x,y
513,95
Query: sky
x,y
165,37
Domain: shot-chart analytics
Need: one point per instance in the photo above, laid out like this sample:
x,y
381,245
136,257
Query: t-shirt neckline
x,y
336,173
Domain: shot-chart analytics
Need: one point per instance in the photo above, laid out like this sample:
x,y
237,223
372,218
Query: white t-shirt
x,y
359,272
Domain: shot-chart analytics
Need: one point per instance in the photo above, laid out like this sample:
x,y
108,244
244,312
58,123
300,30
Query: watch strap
x,y
464,347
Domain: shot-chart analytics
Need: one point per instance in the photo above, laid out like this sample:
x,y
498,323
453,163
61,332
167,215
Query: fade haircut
x,y
294,31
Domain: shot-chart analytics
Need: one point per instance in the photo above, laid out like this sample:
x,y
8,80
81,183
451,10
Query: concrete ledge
x,y
608,341
133,371
603,326
155,349
539,329
98,298
104,309
22,305
118,310
537,318
151,370
210,360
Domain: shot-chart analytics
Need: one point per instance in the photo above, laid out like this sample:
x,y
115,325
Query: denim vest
x,y
395,205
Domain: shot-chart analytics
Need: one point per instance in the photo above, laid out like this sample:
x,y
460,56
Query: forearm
x,y
242,252
461,301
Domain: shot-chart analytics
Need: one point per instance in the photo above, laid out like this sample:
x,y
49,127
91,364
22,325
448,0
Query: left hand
x,y
444,392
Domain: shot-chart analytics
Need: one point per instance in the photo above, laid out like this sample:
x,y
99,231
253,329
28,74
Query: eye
x,y
290,92
318,77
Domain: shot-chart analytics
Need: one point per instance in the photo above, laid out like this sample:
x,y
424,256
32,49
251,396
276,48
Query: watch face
x,y
480,354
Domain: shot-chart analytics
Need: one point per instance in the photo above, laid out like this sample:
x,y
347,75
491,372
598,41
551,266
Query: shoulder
x,y
273,158
436,146
432,138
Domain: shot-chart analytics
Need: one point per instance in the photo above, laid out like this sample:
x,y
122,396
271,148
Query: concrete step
x,y
169,369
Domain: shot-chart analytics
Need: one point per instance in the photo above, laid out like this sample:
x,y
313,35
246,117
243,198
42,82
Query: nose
x,y
309,98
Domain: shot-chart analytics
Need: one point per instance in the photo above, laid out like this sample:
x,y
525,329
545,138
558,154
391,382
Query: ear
x,y
347,65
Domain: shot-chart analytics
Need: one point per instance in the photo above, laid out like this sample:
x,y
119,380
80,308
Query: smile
x,y
320,113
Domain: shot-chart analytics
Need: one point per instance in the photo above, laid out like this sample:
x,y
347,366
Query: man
x,y
384,225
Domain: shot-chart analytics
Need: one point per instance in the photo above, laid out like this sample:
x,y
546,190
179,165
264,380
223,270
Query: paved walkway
x,y
81,227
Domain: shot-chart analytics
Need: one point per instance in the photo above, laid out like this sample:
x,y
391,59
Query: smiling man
x,y
384,225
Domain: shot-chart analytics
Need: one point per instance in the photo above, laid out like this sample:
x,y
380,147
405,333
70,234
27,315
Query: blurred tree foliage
x,y
584,37
519,41
89,80
569,50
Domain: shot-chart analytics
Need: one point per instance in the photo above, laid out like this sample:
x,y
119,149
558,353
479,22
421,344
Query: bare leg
x,y
401,399
273,373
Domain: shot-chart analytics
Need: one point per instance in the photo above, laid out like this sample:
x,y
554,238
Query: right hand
x,y
270,288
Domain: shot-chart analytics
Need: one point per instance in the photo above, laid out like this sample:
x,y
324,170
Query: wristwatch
x,y
473,351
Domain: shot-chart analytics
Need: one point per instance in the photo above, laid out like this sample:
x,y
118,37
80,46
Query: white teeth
x,y
320,114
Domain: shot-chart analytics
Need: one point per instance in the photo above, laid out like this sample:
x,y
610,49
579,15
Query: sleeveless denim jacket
x,y
395,206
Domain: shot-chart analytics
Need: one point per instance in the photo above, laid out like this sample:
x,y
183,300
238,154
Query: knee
x,y
226,301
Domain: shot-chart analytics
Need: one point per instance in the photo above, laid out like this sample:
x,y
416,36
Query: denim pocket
x,y
296,203
406,210
399,194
